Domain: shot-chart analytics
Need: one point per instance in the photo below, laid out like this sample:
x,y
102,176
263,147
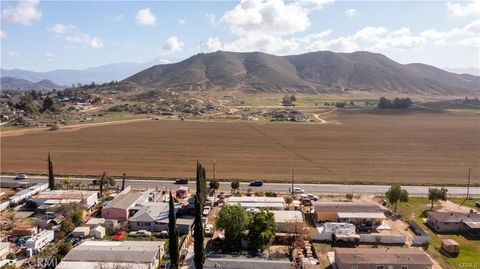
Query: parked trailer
x,y
39,240
27,193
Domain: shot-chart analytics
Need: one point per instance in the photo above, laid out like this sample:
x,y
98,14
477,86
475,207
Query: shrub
x,y
54,127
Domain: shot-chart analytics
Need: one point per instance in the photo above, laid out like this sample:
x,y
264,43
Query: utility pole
x,y
468,182
213,164
293,176
123,181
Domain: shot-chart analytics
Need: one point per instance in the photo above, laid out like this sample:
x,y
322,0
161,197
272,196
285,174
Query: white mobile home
x,y
39,240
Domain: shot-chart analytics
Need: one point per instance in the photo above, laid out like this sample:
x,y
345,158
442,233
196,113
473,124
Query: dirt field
x,y
411,147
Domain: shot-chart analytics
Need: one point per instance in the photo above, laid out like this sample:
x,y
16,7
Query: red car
x,y
120,235
181,181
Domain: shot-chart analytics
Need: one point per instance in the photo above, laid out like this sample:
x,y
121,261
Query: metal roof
x,y
125,200
246,263
282,216
381,256
363,215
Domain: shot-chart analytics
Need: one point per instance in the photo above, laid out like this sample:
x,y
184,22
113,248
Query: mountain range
x,y
315,72
12,83
67,77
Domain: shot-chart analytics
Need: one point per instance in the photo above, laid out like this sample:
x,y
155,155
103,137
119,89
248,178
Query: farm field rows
x,y
408,147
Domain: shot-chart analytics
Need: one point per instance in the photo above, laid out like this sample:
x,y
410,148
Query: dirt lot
x,y
410,147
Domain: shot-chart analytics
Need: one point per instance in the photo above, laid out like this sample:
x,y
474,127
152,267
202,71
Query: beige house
x,y
381,258
285,219
456,222
348,212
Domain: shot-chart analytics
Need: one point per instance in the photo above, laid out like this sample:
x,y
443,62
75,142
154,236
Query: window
x,y
380,266
354,267
403,267
140,223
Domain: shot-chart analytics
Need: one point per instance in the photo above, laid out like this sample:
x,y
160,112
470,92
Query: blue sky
x,y
50,35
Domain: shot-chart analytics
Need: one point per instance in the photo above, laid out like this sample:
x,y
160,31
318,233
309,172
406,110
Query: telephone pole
x,y
293,176
213,164
468,182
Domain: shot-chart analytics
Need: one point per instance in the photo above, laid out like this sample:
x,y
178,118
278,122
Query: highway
x,y
276,187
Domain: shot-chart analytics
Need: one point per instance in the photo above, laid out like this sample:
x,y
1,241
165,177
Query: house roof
x,y
366,215
450,242
454,217
246,263
401,256
255,199
283,216
124,200
118,252
151,212
359,207
64,194
95,221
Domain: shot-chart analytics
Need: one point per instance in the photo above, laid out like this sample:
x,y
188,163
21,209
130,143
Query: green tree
x,y
234,220
288,200
200,196
51,177
64,248
77,217
173,247
262,229
235,185
349,196
67,226
214,184
435,194
395,194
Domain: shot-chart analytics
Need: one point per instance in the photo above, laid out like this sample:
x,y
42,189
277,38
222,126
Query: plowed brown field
x,y
411,147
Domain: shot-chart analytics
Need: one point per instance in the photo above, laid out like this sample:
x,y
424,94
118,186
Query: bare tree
x,y
297,234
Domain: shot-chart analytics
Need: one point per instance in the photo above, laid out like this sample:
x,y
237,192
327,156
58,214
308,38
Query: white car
x,y
298,190
21,176
312,197
206,210
140,233
209,230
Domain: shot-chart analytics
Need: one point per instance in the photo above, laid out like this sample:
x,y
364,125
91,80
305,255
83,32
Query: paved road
x,y
276,187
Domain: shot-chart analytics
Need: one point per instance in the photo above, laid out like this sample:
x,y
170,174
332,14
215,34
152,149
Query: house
x,y
154,217
4,249
348,212
109,254
271,203
285,219
38,241
381,258
456,222
450,246
81,232
120,206
244,262
94,222
47,200
24,230
98,232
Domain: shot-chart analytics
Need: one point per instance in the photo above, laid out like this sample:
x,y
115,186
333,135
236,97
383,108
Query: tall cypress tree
x,y
51,177
199,248
173,236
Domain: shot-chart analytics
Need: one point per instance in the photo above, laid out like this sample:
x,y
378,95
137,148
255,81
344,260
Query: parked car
x,y
366,228
306,201
140,233
206,210
256,183
21,176
312,197
162,234
477,204
181,181
298,190
209,230
120,235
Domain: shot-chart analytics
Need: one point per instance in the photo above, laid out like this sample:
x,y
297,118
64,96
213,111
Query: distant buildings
x,y
456,222
348,212
47,200
108,254
381,258
271,203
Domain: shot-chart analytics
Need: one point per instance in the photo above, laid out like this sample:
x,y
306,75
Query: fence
x,y
383,239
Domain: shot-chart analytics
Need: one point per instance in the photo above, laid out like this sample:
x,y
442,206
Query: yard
x,y
469,249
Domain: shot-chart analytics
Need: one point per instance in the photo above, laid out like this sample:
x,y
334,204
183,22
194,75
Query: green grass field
x,y
469,249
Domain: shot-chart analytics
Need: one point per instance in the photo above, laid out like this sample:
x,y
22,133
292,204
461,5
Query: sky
x,y
47,35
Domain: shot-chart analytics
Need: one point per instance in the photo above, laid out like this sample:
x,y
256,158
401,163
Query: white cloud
x,y
266,17
145,17
317,4
351,12
211,17
370,33
182,21
25,12
312,37
49,56
72,34
12,54
3,34
464,9
172,44
341,44
263,43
